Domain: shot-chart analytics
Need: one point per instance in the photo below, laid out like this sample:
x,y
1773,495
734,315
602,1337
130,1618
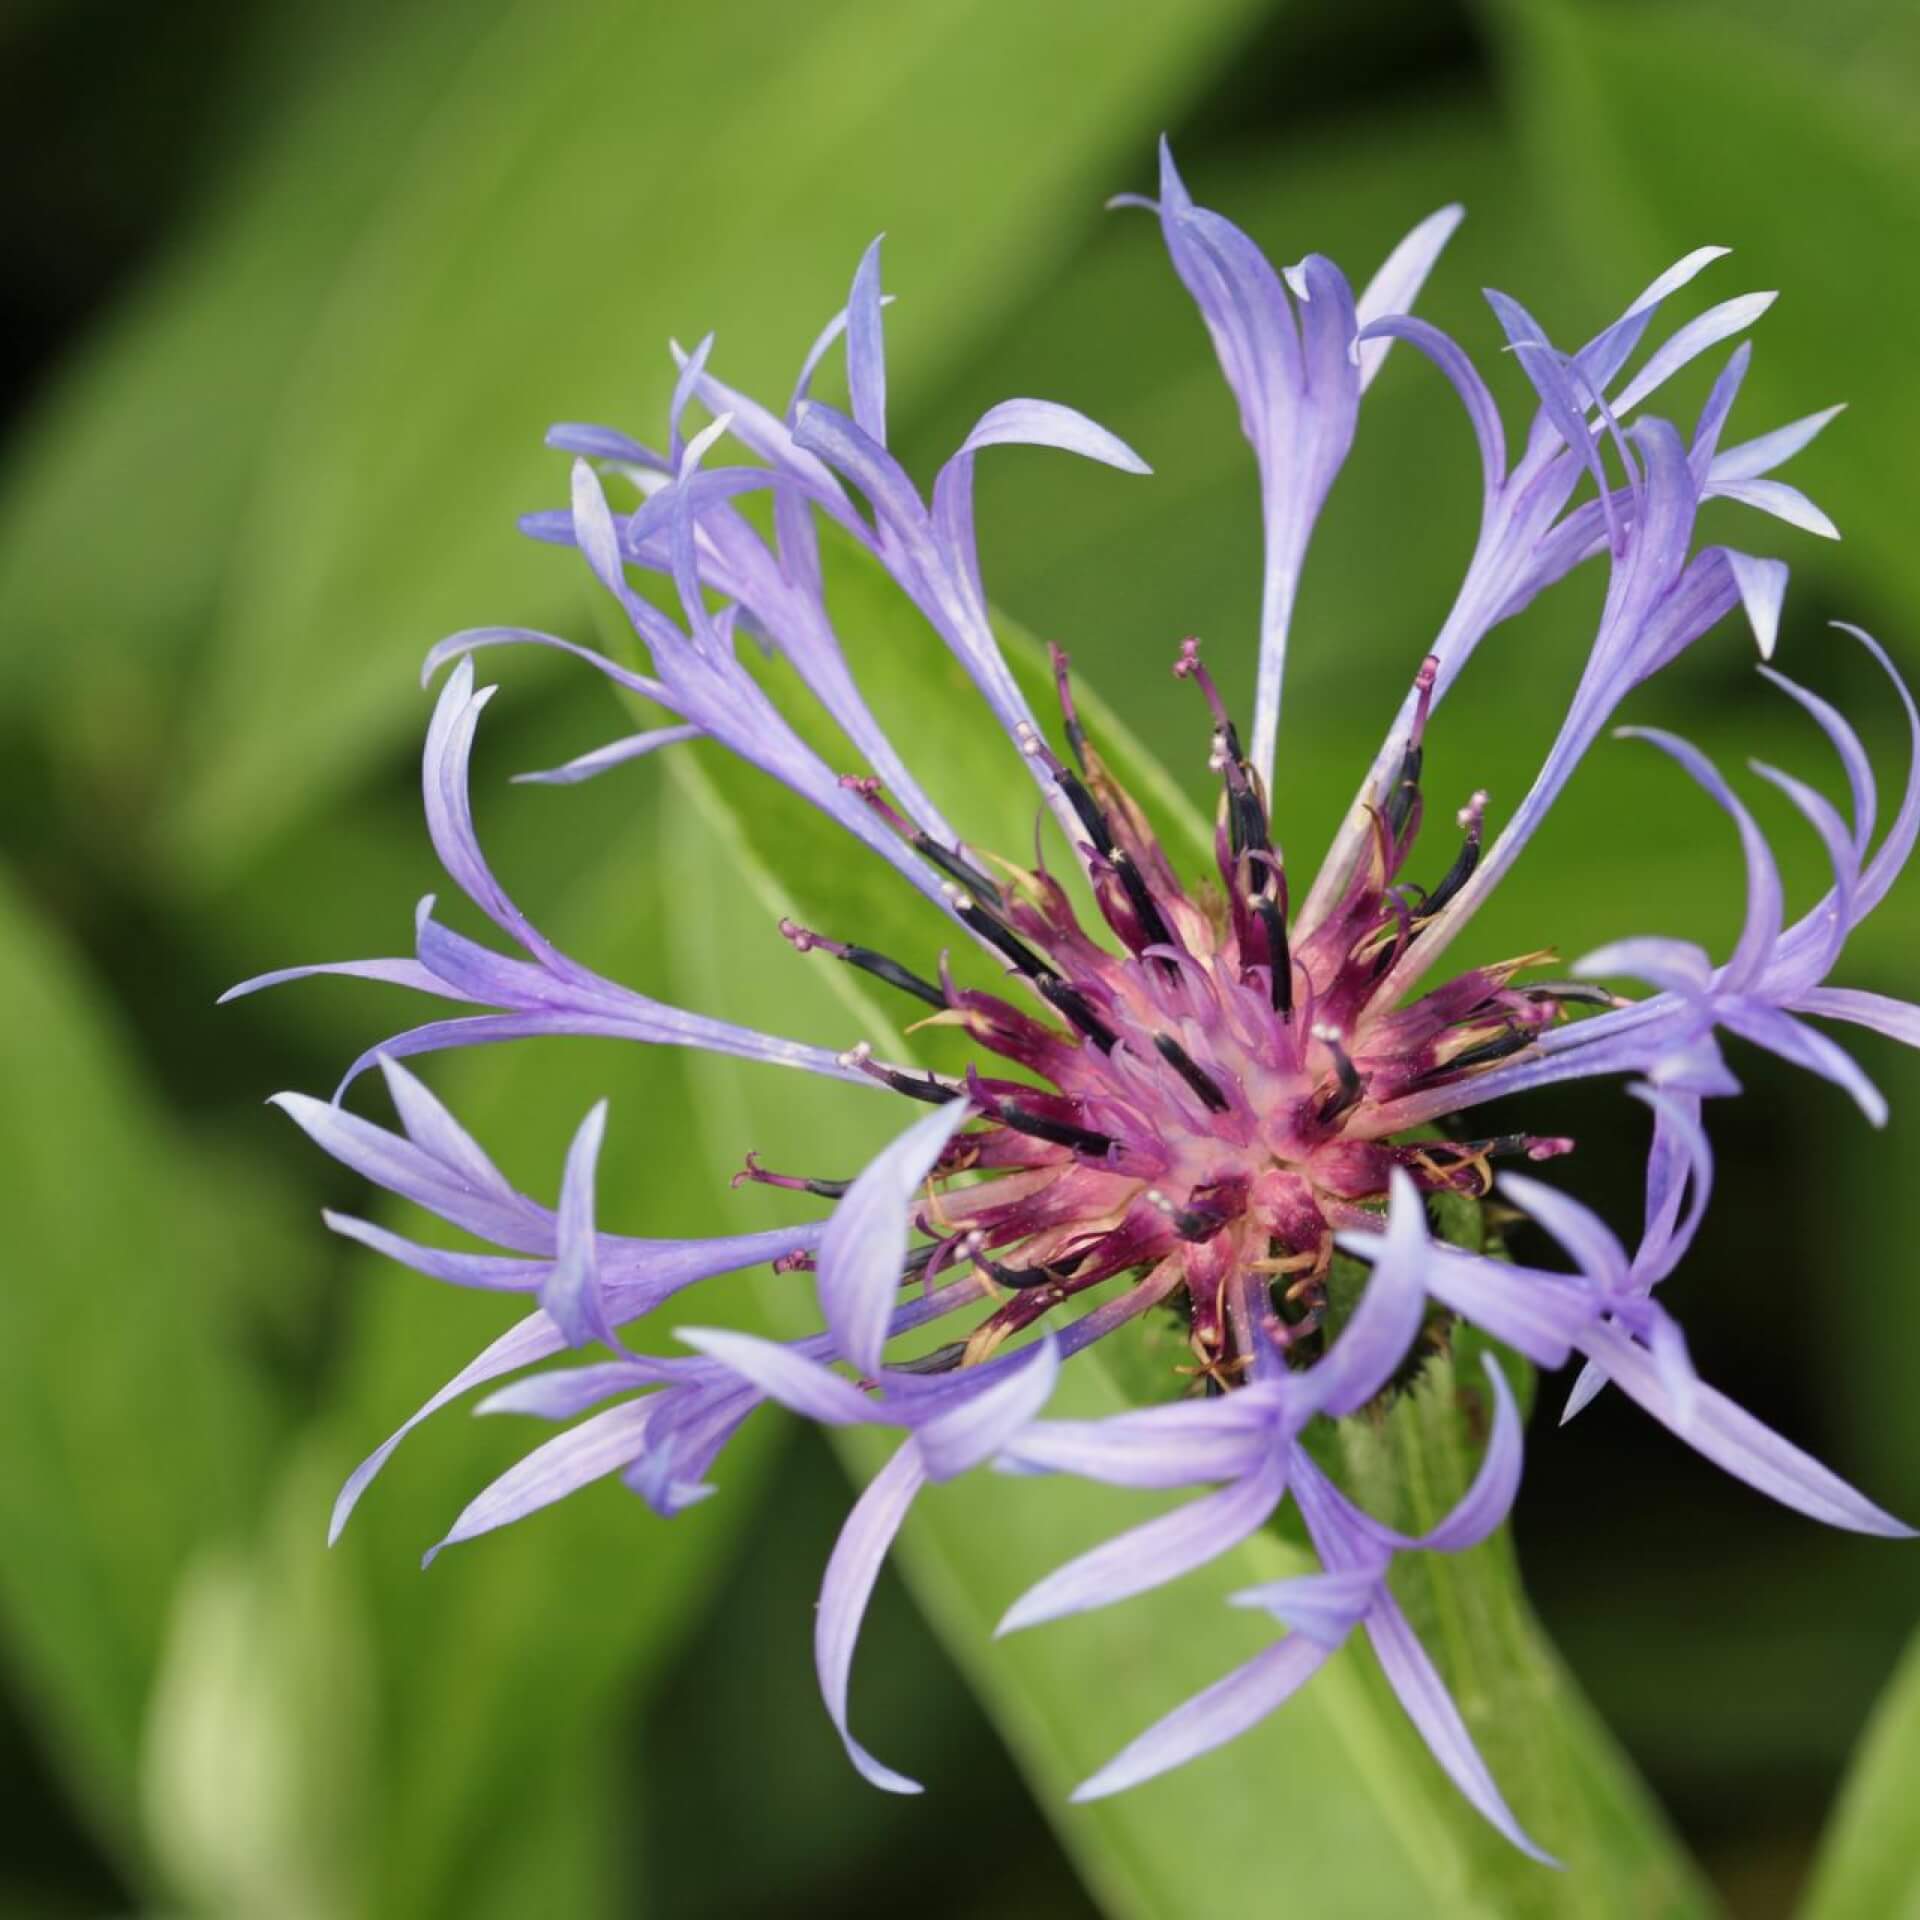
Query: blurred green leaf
x,y
1388,1833
160,432
1869,1864
259,1739
129,1408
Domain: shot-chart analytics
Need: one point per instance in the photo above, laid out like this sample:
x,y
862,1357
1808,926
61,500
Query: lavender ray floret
x,y
488,1271
556,1468
1225,1711
1197,1113
1157,1448
617,753
1735,1441
851,1572
866,1240
1396,285
1150,1555
1417,1684
1375,1340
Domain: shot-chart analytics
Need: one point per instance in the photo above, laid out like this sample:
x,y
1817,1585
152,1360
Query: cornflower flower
x,y
1205,1095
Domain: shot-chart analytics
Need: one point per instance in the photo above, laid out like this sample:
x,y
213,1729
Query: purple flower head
x,y
1212,1098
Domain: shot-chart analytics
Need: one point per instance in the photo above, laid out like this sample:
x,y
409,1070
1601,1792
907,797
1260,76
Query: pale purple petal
x,y
1539,1314
1687,343
434,1130
490,1029
1897,1019
1829,924
1677,966
403,1168
1223,1712
769,437
594,532
1483,413
1752,458
1846,743
1891,855
1761,929
1608,351
524,1343
567,1392
1763,587
616,753
1586,1386
1656,606
1672,1364
851,1572
1712,420
1158,1447
1397,285
866,350
456,646
1562,401
866,1240
845,446
1325,1607
1780,1033
1777,498
1681,1161
1489,1499
572,1293
691,367
797,1383
393,973
554,1469
449,809
1045,423
1369,1349
953,1442
491,1272
1734,1440
604,443
1161,1550
1430,1707
1595,1247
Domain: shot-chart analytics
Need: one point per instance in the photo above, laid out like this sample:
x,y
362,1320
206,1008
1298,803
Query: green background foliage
x,y
300,289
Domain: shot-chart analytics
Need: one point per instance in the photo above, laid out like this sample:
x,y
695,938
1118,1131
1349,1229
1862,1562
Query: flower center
x,y
1202,1108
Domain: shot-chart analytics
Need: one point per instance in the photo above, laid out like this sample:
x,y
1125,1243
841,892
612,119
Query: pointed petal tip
x,y
343,1505
1021,1615
886,1779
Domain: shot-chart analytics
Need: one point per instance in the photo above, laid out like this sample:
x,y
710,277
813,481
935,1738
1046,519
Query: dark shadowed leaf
x,y
131,1415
